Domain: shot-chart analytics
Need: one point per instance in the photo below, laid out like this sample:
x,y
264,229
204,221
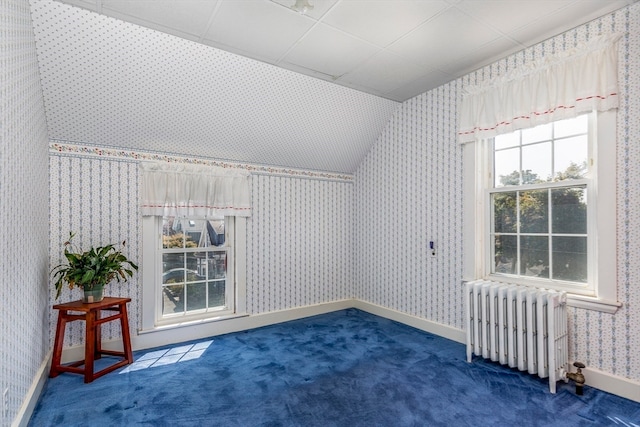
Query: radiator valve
x,y
578,377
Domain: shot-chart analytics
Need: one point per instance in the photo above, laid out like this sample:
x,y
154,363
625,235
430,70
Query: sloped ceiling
x,y
115,84
160,75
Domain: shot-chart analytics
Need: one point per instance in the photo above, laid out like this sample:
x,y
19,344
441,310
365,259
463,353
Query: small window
x,y
190,270
195,278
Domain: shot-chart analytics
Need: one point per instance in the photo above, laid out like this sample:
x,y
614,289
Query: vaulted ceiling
x,y
255,81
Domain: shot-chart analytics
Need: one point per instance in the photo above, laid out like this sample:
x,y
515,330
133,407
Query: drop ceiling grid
x,y
342,41
115,84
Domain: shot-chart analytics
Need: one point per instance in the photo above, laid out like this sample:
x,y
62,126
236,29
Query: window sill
x,y
593,303
187,323
582,301
587,302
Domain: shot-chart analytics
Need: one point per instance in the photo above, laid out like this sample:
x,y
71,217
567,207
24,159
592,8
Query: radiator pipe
x,y
578,377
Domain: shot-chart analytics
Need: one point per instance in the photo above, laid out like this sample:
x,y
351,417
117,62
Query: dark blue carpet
x,y
347,368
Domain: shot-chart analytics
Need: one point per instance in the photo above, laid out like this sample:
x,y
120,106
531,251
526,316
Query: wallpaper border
x,y
59,147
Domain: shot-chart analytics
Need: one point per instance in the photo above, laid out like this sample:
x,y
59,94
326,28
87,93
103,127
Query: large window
x,y
539,210
543,209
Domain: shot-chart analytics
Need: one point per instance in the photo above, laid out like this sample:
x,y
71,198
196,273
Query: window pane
x,y
570,259
172,299
507,140
173,233
171,237
217,265
570,127
168,241
504,212
534,256
506,167
569,209
196,296
194,260
538,133
217,293
504,250
172,269
534,211
536,163
570,158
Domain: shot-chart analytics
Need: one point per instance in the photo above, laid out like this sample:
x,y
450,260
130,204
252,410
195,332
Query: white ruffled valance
x,y
172,189
554,88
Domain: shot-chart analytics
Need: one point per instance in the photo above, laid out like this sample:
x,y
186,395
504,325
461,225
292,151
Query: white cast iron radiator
x,y
525,328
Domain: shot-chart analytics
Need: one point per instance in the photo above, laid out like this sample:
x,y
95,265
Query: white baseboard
x,y
613,384
594,378
33,394
439,329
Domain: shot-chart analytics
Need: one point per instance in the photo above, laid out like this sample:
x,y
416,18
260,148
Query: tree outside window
x,y
539,212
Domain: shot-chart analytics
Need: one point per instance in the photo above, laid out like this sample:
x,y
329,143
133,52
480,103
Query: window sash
x,y
540,186
490,233
550,235
162,319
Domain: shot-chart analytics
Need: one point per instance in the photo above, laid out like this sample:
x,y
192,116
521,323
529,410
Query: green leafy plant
x,y
93,268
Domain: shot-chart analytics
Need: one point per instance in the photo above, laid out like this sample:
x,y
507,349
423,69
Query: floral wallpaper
x,y
24,222
299,236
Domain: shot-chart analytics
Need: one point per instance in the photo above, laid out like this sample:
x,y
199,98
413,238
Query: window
x,y
538,204
544,209
192,274
195,279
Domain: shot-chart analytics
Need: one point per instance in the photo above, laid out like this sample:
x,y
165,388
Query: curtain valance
x,y
171,189
553,88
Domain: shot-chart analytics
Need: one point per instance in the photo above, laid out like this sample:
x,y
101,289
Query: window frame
x,y
601,294
229,231
152,316
586,182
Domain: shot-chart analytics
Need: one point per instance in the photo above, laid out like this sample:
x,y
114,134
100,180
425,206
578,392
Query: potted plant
x,y
92,269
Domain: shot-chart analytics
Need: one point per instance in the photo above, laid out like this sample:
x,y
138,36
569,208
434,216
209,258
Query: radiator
x,y
518,326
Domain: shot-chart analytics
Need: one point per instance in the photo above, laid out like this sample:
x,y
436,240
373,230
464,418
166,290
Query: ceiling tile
x,y
258,26
189,16
329,51
564,19
384,72
508,15
384,21
435,43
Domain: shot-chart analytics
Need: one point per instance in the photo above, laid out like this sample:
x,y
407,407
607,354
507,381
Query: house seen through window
x,y
194,267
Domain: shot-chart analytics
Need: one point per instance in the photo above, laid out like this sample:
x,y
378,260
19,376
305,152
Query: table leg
x,y
97,349
90,346
126,337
